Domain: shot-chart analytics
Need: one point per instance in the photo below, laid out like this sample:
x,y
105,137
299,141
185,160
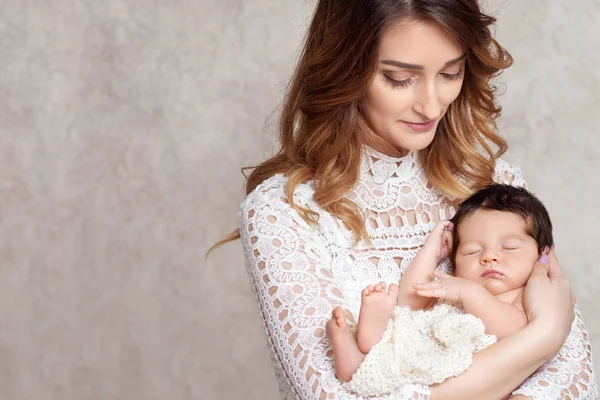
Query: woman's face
x,y
420,72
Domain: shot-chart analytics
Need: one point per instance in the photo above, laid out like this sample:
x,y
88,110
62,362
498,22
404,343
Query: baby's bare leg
x,y
376,308
348,357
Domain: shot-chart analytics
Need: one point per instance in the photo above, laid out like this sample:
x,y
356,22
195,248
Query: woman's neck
x,y
389,150
380,145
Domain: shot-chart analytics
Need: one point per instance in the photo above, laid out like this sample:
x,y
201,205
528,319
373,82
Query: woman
x,y
388,123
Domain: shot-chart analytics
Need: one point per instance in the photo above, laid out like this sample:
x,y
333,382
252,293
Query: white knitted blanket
x,y
423,347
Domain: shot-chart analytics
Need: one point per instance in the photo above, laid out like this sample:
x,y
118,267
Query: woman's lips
x,y
491,273
418,127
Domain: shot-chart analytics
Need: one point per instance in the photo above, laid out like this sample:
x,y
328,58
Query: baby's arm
x,y
500,319
436,248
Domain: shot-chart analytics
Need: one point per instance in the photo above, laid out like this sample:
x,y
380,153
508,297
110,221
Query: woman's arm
x,y
291,270
498,369
569,375
548,304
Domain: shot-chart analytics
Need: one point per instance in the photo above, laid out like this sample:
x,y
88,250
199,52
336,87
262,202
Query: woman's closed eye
x,y
456,76
394,83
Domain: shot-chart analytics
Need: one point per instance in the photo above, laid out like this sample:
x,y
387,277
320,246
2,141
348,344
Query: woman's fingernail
x,y
544,259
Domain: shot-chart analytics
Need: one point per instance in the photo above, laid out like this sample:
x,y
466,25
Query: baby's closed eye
x,y
471,251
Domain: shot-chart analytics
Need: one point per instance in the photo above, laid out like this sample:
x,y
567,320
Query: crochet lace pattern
x,y
300,273
423,347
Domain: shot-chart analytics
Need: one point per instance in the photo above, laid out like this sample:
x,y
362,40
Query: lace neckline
x,y
380,167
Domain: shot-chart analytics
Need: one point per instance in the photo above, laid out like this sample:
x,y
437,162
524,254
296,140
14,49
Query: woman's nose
x,y
427,103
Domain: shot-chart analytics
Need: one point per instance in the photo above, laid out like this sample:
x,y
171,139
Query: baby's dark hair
x,y
512,199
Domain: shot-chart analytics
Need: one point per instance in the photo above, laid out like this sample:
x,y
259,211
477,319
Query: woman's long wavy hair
x,y
321,127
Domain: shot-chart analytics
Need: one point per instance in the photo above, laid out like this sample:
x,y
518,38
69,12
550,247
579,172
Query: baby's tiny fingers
x,y
430,292
440,274
428,285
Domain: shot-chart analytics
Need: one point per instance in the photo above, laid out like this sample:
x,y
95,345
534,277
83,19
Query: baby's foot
x,y
347,355
376,308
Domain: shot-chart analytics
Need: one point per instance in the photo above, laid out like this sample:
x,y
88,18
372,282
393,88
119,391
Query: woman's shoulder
x,y
272,192
508,174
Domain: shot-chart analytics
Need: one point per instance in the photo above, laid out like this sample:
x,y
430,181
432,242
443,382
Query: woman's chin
x,y
413,143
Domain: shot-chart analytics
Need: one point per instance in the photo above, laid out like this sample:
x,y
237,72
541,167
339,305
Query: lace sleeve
x,y
570,374
289,265
508,175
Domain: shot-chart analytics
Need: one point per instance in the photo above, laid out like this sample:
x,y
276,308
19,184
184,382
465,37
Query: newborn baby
x,y
426,329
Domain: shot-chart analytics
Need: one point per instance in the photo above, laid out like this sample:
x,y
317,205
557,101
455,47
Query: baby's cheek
x,y
520,275
466,272
459,270
520,281
527,264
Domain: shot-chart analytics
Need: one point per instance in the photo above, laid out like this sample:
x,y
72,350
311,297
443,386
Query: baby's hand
x,y
439,242
446,287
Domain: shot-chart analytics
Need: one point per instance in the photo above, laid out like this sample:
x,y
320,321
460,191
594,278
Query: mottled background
x,y
123,127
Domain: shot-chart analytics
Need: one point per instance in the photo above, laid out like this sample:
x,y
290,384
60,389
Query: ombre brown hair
x,y
322,129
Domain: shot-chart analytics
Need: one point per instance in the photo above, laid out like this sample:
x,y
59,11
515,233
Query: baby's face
x,y
495,250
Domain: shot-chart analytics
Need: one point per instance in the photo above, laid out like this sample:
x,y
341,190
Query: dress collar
x,y
381,167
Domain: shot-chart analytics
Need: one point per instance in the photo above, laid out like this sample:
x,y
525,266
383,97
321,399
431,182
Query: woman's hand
x,y
548,301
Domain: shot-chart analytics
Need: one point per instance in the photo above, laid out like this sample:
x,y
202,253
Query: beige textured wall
x,y
123,125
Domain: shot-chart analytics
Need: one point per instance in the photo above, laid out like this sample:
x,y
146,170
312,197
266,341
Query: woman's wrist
x,y
546,337
501,367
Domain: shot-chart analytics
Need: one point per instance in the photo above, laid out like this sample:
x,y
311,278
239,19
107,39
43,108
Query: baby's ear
x,y
546,250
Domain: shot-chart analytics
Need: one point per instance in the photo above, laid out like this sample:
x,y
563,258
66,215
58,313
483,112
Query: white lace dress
x,y
300,273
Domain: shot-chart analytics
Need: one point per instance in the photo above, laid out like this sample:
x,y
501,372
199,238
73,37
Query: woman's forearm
x,y
499,369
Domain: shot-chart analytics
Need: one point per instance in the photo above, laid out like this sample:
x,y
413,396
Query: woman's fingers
x,y
539,270
556,274
541,266
547,298
554,269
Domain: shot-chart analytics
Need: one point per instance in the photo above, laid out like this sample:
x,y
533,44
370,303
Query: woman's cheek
x,y
451,95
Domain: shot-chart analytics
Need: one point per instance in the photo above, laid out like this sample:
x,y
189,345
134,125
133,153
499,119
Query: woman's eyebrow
x,y
401,64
